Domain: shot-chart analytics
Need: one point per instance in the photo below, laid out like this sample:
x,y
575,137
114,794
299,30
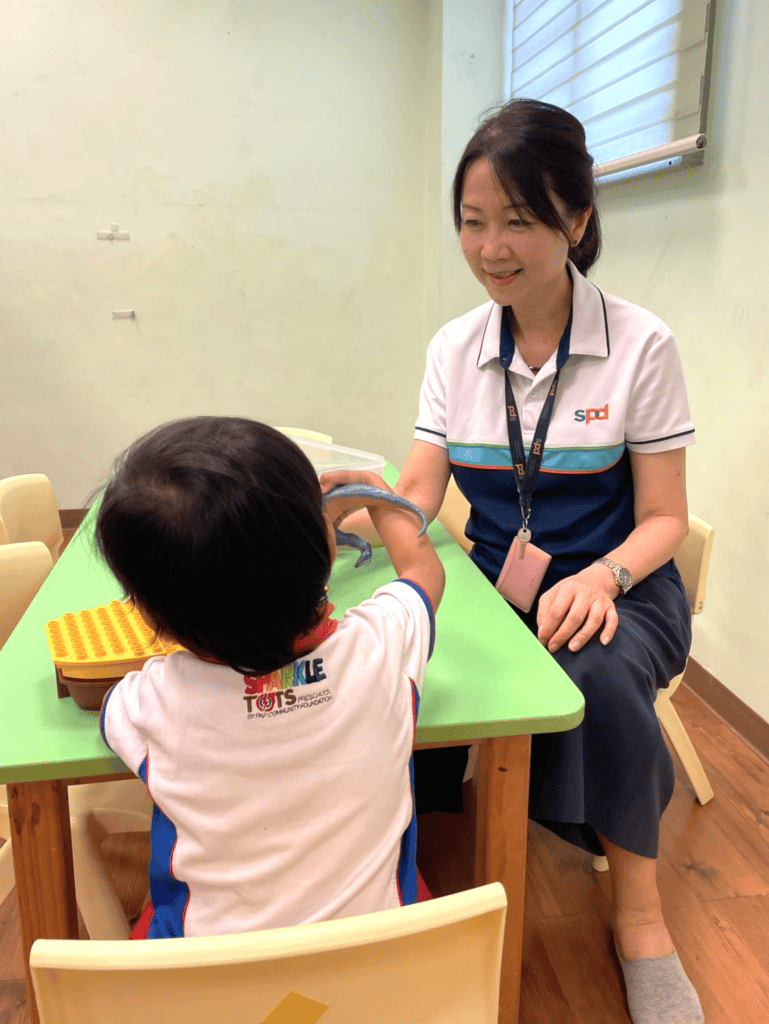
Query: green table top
x,y
488,675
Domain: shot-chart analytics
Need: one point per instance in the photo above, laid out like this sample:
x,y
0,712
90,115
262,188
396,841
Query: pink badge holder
x,y
520,578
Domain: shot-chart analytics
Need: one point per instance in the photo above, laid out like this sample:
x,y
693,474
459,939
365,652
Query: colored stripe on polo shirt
x,y
555,460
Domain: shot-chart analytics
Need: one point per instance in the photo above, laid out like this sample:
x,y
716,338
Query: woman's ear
x,y
578,226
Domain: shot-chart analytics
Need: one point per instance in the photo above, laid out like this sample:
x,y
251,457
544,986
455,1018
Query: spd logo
x,y
586,415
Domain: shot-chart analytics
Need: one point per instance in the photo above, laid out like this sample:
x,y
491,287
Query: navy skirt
x,y
613,774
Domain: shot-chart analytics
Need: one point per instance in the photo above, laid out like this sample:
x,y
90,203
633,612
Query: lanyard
x,y
526,469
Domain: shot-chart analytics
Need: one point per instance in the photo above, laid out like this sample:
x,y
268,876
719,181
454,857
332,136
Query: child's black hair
x,y
215,526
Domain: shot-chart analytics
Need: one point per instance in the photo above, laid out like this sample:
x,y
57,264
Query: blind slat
x,y
530,18
583,29
630,70
648,79
598,68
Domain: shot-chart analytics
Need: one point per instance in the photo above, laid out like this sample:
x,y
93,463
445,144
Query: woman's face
x,y
518,261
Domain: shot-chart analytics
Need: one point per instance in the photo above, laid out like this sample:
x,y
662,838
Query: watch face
x,y
625,579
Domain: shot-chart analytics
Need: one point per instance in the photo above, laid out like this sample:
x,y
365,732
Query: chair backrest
x,y
693,561
29,511
431,962
23,567
454,513
311,435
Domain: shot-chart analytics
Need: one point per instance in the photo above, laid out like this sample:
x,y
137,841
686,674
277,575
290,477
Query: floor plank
x,y
748,919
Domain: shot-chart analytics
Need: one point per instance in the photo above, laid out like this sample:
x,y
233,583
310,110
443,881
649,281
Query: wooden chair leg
x,y
682,745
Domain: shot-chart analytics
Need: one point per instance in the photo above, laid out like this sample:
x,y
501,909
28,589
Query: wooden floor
x,y
714,879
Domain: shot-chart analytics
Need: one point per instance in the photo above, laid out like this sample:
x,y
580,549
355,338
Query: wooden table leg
x,y
42,861
500,847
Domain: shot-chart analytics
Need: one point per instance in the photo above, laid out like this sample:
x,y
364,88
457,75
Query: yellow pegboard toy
x,y
102,643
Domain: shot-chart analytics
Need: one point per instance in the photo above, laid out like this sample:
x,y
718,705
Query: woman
x,y
591,386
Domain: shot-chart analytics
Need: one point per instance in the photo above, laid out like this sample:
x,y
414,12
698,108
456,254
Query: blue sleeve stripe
x,y
407,860
169,896
428,606
103,712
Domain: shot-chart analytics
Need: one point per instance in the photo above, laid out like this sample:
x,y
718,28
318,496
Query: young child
x,y
277,746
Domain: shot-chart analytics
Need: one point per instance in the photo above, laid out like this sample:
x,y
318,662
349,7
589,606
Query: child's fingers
x,y
338,509
335,477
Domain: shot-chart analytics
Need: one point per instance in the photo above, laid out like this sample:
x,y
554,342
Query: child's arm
x,y
412,556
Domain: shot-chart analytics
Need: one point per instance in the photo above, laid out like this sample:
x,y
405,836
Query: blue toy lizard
x,y
369,495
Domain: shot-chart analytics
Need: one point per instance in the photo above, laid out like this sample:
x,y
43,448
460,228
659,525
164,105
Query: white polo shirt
x,y
622,388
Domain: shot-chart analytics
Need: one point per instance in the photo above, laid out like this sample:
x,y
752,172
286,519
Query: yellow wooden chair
x,y
23,567
310,435
434,962
95,809
28,511
693,560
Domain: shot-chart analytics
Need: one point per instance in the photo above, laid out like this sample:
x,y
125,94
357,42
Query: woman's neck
x,y
537,329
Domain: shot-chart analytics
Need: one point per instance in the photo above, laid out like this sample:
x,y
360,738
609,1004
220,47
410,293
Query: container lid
x,y
326,456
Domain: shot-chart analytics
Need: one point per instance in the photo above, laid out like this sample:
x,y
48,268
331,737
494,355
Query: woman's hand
x,y
576,608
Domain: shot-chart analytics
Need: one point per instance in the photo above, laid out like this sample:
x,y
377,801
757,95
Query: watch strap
x,y
621,575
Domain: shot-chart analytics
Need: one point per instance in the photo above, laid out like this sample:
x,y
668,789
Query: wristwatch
x,y
621,575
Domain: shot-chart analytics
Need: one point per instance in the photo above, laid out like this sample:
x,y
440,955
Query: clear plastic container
x,y
326,457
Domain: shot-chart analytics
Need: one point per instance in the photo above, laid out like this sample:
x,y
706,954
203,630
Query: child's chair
x,y
23,567
431,962
311,435
97,808
95,811
692,560
28,511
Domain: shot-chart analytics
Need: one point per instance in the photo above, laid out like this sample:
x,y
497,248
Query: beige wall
x,y
269,162
473,83
693,248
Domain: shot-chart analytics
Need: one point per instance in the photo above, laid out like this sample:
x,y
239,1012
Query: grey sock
x,y
659,992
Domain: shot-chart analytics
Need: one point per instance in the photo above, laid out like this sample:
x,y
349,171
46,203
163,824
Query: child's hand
x,y
339,509
336,477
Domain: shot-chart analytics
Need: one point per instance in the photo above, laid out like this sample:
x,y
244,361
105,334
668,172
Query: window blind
x,y
633,71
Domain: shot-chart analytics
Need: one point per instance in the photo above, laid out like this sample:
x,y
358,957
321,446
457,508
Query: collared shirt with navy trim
x,y
622,389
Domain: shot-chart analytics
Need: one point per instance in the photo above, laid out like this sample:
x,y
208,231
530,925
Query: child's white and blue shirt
x,y
286,798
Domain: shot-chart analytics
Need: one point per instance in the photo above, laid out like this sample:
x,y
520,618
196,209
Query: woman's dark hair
x,y
534,149
215,526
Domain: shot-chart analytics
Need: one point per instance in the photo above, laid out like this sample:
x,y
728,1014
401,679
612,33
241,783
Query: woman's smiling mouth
x,y
502,278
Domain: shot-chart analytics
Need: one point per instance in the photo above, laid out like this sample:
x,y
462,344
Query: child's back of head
x,y
214,526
